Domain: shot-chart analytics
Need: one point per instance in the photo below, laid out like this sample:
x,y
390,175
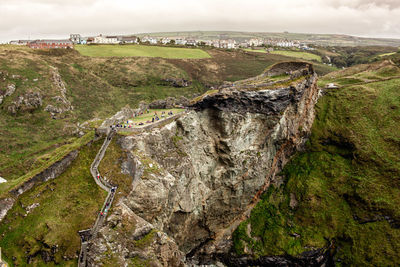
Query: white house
x,y
228,44
128,39
151,40
286,43
165,40
255,42
75,38
180,41
191,42
101,39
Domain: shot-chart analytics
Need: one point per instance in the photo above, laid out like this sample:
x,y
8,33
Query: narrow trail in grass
x,y
87,235
373,81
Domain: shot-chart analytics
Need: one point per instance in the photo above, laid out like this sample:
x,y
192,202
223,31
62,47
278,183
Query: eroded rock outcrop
x,y
60,103
202,174
26,103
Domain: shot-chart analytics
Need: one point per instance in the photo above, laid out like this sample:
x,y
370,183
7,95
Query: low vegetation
x,y
298,54
65,205
111,168
344,189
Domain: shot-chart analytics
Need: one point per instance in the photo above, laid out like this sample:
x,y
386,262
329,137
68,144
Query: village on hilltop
x,y
178,41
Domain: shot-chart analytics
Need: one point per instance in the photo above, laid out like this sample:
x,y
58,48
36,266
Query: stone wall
x,y
50,173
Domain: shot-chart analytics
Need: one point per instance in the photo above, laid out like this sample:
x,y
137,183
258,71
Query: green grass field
x,y
140,51
298,54
387,54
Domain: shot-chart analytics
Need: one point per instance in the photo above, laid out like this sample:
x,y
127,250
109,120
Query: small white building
x,y
285,44
128,39
191,42
19,42
255,42
227,44
215,43
165,40
150,40
101,39
75,38
180,41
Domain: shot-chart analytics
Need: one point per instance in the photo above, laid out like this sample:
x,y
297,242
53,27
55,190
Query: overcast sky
x,y
21,19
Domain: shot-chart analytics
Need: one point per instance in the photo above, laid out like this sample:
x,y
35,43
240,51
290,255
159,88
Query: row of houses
x,y
44,44
115,39
103,39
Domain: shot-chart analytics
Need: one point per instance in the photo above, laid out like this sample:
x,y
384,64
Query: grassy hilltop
x,y
344,188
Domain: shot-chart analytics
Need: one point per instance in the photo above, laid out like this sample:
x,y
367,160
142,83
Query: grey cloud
x,y
56,18
390,4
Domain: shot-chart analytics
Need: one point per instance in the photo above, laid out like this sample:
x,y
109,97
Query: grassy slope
x,y
140,51
67,204
346,183
295,54
96,87
303,55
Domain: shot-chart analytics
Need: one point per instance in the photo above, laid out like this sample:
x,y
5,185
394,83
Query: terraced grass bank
x,y
141,51
345,188
41,228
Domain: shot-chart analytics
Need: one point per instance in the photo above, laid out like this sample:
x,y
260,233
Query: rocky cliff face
x,y
202,174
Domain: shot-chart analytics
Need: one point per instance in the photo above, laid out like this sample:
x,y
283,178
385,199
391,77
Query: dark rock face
x,y
315,258
267,102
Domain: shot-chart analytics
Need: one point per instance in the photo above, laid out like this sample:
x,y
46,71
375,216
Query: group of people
x,y
108,204
129,124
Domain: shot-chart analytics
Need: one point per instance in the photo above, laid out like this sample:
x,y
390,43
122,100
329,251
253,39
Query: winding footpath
x,y
87,235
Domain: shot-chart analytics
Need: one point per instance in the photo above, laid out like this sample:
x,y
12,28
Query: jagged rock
x,y
10,90
62,98
5,205
52,109
130,237
27,102
30,208
210,167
